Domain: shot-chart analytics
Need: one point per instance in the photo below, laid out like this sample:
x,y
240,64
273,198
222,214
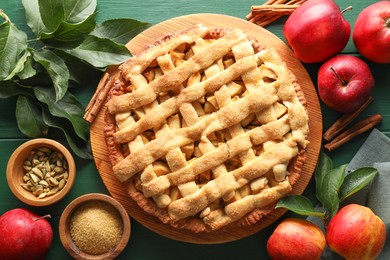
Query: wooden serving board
x,y
118,190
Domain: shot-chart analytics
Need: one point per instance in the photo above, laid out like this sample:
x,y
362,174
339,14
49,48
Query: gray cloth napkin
x,y
375,152
375,149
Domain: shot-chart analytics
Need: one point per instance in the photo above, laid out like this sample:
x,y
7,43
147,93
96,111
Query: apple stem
x,y
338,76
2,14
387,23
42,217
346,9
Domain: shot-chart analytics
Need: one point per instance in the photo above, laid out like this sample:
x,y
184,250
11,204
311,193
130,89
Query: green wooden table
x,y
145,244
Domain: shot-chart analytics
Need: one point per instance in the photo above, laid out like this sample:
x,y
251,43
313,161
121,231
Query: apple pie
x,y
206,128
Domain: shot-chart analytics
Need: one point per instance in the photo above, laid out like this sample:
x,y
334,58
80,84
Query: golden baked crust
x,y
207,129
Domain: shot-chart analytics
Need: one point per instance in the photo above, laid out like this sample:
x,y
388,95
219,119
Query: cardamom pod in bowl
x,y
41,172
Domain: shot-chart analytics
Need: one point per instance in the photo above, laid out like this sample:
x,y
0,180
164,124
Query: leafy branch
x,y
333,186
69,50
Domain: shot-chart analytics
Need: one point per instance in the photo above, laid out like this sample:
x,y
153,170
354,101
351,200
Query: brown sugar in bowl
x,y
93,202
16,171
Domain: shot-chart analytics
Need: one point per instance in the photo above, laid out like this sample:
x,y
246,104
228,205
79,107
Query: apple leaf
x,y
52,13
332,187
69,35
300,205
76,11
9,88
19,66
81,72
119,30
24,68
324,165
68,107
29,118
329,190
63,21
12,43
57,70
26,64
100,52
33,17
356,180
81,147
56,12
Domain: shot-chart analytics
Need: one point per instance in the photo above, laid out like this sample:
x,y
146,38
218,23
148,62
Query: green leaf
x,y
11,88
329,190
68,107
80,72
52,13
356,180
69,35
81,147
12,43
100,53
120,31
27,70
76,11
29,118
23,67
324,165
56,69
300,205
33,17
61,22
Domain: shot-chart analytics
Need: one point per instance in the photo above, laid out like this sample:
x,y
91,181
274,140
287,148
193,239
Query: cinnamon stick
x,y
357,129
267,20
273,9
341,123
98,98
270,11
270,2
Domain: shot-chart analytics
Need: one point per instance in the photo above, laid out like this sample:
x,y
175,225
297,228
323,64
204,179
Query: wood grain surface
x,y
118,190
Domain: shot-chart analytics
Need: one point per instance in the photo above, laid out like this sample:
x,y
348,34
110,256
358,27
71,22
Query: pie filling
x,y
207,129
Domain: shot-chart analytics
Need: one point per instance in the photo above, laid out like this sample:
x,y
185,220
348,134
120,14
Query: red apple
x,y
24,235
317,30
344,83
295,239
355,232
371,34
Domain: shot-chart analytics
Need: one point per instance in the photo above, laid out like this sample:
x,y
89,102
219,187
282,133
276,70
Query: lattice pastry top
x,y
206,128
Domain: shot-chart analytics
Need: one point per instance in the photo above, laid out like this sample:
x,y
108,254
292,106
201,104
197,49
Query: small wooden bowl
x,y
64,227
15,171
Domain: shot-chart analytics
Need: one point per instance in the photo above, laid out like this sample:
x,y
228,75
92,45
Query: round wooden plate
x,y
118,190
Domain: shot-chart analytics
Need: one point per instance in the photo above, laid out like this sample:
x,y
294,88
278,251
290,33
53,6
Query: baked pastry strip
x,y
144,60
223,98
271,131
297,113
172,79
175,157
123,119
190,116
158,115
227,116
226,183
252,79
238,209
242,204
